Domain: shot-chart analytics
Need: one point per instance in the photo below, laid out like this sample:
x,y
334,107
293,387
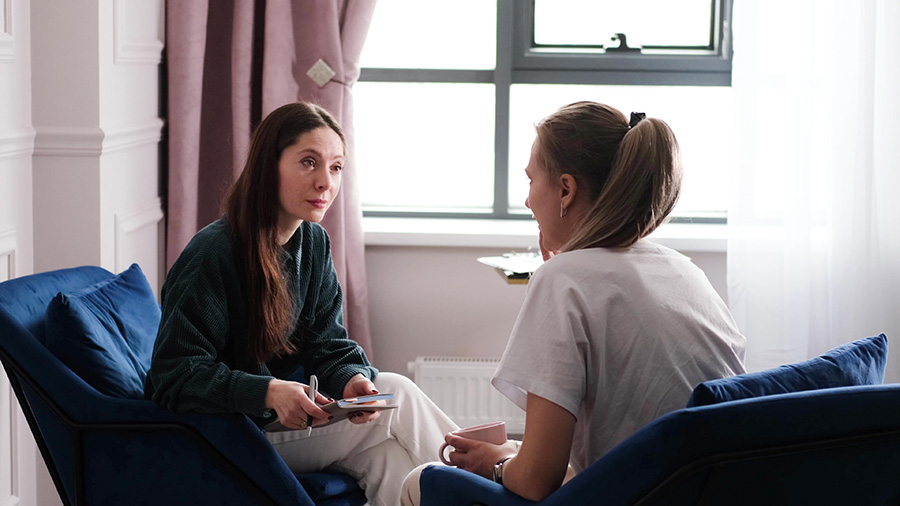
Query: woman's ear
x,y
567,189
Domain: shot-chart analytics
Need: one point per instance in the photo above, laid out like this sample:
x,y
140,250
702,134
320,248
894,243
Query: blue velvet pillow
x,y
105,332
858,363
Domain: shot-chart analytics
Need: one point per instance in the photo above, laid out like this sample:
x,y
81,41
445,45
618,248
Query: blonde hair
x,y
632,174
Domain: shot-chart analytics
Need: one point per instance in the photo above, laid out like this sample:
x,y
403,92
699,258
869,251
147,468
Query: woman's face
x,y
544,201
309,174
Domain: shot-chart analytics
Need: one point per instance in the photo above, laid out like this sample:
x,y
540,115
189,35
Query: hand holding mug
x,y
494,433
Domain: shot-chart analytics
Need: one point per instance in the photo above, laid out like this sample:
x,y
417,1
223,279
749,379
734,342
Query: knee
x,y
412,479
390,382
409,491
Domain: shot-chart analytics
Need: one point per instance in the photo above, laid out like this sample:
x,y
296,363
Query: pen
x,y
313,388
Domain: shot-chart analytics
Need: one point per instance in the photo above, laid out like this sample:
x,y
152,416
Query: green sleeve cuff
x,y
340,378
250,394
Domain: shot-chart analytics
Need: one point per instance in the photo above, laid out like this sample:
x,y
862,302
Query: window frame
x,y
684,67
518,63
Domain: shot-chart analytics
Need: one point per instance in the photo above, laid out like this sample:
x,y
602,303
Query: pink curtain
x,y
231,62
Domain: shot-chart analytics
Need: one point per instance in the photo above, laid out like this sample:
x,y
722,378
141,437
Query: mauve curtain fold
x,y
231,62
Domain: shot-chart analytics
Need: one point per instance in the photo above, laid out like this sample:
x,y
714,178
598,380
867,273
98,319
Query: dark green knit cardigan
x,y
202,359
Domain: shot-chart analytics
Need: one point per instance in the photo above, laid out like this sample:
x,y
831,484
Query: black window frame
x,y
519,61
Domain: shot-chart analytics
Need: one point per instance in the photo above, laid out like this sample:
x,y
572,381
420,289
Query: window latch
x,y
623,45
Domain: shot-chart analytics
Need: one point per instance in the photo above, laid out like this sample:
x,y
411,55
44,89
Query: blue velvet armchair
x,y
103,449
747,444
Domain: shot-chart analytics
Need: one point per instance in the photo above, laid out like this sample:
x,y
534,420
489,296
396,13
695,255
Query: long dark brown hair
x,y
251,210
632,174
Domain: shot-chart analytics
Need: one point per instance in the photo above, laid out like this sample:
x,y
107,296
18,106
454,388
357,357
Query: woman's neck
x,y
286,232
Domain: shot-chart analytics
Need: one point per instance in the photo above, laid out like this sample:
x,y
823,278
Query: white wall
x,y
79,168
441,301
96,115
18,453
16,140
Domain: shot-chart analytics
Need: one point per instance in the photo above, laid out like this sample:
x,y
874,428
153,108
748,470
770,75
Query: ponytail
x,y
640,191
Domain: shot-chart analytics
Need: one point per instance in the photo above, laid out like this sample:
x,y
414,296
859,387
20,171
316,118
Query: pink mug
x,y
494,433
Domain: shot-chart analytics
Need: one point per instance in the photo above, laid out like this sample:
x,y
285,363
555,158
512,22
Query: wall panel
x,y
137,240
9,451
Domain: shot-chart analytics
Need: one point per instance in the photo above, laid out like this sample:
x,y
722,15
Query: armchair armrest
x,y
233,436
229,441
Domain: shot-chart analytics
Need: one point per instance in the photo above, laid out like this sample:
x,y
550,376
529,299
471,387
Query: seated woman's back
x,y
618,337
615,330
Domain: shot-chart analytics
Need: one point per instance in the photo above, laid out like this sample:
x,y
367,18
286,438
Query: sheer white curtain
x,y
814,226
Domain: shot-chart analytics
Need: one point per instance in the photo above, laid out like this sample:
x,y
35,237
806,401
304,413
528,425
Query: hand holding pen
x,y
297,404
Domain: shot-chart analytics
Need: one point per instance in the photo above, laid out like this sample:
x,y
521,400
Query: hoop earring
x,y
562,210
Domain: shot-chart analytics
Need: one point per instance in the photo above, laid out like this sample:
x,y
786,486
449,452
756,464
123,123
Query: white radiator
x,y
461,387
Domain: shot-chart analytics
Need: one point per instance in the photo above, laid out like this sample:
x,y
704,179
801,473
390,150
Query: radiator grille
x,y
461,387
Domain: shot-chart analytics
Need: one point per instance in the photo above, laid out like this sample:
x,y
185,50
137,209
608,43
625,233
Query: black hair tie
x,y
636,118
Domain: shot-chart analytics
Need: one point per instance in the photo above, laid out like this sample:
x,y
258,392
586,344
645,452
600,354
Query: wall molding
x,y
130,50
150,214
95,141
7,42
8,245
149,132
68,141
18,143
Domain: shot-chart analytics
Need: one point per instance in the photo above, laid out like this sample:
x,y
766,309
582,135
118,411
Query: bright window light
x,y
412,34
425,146
425,107
683,23
700,117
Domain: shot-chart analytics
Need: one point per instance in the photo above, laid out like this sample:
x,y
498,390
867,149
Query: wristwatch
x,y
498,470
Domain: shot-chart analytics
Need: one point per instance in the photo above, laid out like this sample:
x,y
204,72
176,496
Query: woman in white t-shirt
x,y
615,330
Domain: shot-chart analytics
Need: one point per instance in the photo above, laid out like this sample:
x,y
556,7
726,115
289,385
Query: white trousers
x,y
378,454
410,491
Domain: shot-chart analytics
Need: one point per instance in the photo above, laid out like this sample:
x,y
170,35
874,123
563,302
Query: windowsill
x,y
517,234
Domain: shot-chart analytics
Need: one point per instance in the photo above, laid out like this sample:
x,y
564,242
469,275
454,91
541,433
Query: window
x,y
449,93
555,26
649,42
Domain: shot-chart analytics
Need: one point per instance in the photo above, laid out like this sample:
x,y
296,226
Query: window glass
x,y
411,34
681,23
700,117
425,145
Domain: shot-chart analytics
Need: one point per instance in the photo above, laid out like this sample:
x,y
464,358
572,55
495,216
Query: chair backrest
x,y
831,446
99,446
23,302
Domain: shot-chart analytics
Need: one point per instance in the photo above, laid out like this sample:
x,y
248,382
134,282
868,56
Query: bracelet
x,y
498,470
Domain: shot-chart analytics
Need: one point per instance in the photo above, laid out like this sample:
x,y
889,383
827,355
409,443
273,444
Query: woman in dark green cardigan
x,y
254,296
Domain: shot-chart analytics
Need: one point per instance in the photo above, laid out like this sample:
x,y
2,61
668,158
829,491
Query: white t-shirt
x,y
617,337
